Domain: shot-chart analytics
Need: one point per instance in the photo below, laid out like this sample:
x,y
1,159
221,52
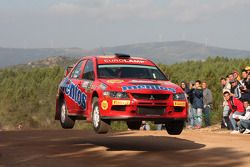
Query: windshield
x,y
130,71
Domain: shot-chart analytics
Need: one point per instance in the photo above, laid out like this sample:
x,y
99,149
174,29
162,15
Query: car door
x,y
73,92
88,78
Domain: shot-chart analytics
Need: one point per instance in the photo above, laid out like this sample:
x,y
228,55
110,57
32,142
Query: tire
x,y
175,127
100,126
66,121
134,125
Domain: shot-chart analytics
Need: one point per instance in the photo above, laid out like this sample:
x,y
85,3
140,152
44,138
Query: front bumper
x,y
133,109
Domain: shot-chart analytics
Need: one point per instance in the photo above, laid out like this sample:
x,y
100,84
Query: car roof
x,y
121,59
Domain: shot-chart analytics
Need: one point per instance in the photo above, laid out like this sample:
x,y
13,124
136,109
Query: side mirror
x,y
67,70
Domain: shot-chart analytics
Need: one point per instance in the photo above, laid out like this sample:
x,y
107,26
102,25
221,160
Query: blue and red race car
x,y
101,89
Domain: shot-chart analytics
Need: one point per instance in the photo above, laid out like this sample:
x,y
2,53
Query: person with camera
x,y
196,95
236,107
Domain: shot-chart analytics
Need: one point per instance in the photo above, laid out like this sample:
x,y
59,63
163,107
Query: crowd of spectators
x,y
236,105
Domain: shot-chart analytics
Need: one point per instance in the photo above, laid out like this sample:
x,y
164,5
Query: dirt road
x,y
131,148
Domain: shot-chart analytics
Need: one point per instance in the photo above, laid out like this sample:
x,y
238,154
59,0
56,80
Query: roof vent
x,y
122,56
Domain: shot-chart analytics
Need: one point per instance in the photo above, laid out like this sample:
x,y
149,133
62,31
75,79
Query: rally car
x,y
101,89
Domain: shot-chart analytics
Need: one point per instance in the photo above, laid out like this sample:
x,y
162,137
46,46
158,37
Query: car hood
x,y
141,86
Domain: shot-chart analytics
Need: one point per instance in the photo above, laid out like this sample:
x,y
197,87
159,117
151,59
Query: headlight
x,y
179,96
121,95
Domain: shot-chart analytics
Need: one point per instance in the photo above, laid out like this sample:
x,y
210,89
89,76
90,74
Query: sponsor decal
x,y
104,105
123,61
152,87
76,95
180,103
113,81
120,102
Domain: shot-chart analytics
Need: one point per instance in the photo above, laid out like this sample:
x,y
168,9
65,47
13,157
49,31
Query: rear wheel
x,y
66,121
134,125
99,125
174,127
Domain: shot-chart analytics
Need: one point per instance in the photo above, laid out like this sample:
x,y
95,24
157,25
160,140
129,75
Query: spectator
x,y
226,110
207,102
244,76
231,77
236,75
185,88
145,126
226,86
244,125
247,68
191,115
197,104
235,89
237,108
245,85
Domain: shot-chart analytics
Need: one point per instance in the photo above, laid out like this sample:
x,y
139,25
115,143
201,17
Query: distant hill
x,y
164,52
53,61
14,56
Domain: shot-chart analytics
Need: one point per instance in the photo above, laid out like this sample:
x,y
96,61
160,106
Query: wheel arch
x,y
59,101
95,94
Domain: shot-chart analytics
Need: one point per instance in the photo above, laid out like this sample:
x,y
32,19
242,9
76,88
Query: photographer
x,y
196,93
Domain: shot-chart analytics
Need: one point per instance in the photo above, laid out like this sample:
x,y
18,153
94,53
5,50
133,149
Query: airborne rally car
x,y
101,89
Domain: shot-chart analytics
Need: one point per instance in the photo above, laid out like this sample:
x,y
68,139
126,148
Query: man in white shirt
x,y
244,124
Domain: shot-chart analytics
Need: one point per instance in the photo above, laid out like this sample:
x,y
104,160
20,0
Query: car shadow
x,y
141,143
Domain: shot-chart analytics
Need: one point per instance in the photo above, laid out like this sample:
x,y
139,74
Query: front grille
x,y
152,103
151,110
141,96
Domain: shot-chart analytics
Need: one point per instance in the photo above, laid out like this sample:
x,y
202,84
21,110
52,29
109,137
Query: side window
x,y
88,72
77,71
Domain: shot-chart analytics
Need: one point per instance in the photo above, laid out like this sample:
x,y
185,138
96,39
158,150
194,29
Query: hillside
x,y
53,61
30,100
14,56
164,52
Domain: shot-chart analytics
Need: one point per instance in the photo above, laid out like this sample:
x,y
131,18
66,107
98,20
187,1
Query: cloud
x,y
196,10
190,11
63,8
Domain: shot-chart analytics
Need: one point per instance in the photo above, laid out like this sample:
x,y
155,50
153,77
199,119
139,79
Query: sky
x,y
90,24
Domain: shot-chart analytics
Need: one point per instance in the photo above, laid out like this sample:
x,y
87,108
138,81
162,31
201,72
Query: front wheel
x,y
66,121
174,127
100,126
